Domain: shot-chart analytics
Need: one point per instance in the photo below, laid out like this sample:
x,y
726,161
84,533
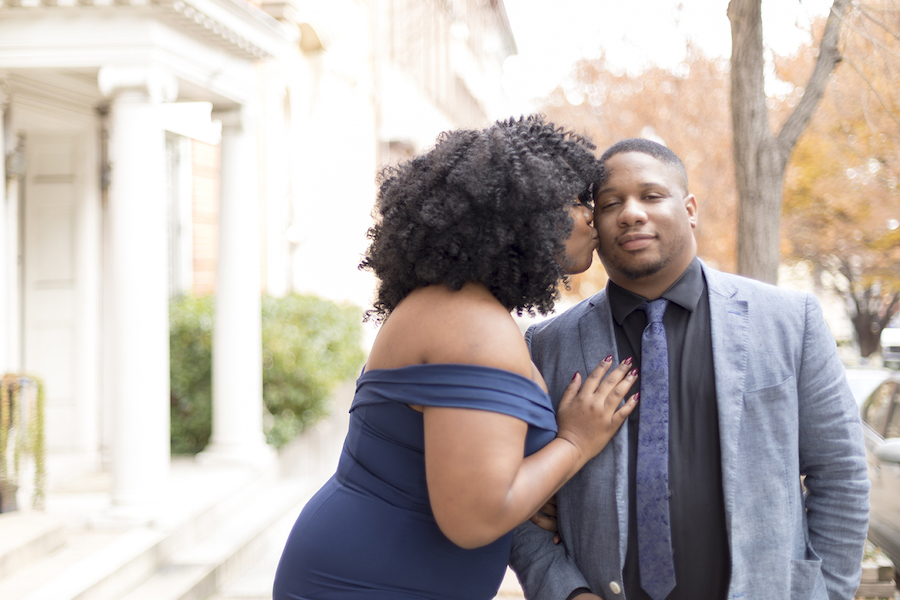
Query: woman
x,y
452,439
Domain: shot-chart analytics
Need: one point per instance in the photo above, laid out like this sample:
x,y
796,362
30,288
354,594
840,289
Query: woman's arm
x,y
479,484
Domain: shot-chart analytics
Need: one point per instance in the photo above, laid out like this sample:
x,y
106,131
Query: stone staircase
x,y
215,525
225,518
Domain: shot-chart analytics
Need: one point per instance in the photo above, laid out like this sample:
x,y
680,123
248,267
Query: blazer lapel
x,y
729,322
596,332
598,340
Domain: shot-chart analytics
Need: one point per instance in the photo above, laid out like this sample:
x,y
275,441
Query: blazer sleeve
x,y
832,457
544,569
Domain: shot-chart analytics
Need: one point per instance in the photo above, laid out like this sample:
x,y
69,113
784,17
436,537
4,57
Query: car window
x,y
893,425
877,407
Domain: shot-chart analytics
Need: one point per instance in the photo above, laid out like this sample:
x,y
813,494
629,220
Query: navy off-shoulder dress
x,y
369,532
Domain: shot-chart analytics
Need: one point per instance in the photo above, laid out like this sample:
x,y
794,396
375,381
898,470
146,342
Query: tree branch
x,y
874,91
889,310
866,35
829,56
864,10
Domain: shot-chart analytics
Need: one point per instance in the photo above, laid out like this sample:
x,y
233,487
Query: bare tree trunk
x,y
760,157
873,312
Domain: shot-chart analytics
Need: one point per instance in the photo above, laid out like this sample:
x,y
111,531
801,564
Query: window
x,y
878,408
893,426
178,193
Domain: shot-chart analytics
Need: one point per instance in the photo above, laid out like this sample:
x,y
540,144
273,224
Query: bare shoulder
x,y
439,325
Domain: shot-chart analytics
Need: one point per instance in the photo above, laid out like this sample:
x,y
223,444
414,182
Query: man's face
x,y
645,218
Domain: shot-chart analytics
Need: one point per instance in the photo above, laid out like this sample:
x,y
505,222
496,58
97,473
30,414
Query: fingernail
x,y
633,373
608,359
627,361
637,396
575,375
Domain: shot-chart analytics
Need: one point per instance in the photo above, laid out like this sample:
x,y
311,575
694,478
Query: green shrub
x,y
310,345
190,372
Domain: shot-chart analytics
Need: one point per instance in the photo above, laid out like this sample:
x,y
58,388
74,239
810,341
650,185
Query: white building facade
x,y
106,107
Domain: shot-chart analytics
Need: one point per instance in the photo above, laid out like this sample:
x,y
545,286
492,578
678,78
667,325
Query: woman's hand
x,y
479,484
546,518
589,415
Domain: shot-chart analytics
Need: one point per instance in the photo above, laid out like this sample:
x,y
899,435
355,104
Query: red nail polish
x,y
608,359
575,375
627,361
637,396
633,372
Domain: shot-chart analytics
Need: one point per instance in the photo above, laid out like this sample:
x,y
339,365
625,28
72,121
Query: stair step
x,y
89,564
106,563
26,537
256,582
188,582
77,545
196,572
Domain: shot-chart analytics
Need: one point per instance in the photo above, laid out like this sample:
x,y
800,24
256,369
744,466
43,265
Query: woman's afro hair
x,y
488,206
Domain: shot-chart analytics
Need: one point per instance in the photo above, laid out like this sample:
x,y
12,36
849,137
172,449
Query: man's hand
x,y
545,518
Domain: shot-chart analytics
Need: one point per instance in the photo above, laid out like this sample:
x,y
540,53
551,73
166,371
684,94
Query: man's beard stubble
x,y
635,273
640,272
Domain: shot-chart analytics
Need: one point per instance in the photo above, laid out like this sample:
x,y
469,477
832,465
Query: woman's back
x,y
437,325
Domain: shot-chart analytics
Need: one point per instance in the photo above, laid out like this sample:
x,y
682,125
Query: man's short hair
x,y
651,148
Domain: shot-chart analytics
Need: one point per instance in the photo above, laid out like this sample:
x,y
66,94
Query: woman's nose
x,y
588,214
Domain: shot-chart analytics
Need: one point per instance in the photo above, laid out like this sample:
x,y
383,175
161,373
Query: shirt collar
x,y
685,292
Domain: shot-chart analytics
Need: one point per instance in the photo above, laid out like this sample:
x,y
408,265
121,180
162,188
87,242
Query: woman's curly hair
x,y
488,206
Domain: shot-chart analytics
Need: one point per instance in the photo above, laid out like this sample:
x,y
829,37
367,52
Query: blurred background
x,y
188,185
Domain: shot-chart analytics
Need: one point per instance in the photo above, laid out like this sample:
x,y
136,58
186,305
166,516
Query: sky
x,y
553,34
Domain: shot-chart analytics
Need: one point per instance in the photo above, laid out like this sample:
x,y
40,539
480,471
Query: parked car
x,y
864,380
880,414
890,347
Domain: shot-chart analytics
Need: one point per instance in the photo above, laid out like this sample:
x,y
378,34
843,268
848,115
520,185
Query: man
x,y
754,398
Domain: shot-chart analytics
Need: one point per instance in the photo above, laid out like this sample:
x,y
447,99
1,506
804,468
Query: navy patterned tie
x,y
654,535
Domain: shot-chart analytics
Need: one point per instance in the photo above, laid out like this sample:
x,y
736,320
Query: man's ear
x,y
690,204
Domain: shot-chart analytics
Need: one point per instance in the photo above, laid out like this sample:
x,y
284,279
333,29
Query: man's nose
x,y
632,212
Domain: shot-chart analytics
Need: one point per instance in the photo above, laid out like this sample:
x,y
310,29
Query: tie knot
x,y
655,309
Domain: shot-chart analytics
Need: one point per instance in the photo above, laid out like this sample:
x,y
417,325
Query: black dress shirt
x,y
696,503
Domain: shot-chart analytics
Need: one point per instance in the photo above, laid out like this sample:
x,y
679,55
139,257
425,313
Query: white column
x,y
138,287
7,267
12,233
237,435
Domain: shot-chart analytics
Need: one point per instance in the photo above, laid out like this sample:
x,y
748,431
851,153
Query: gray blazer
x,y
785,410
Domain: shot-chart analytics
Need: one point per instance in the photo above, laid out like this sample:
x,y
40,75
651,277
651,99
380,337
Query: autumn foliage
x,y
841,211
841,197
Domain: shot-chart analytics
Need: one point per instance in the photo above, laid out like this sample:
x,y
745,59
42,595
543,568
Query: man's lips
x,y
635,241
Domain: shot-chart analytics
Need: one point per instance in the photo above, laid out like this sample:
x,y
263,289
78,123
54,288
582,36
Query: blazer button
x,y
615,588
